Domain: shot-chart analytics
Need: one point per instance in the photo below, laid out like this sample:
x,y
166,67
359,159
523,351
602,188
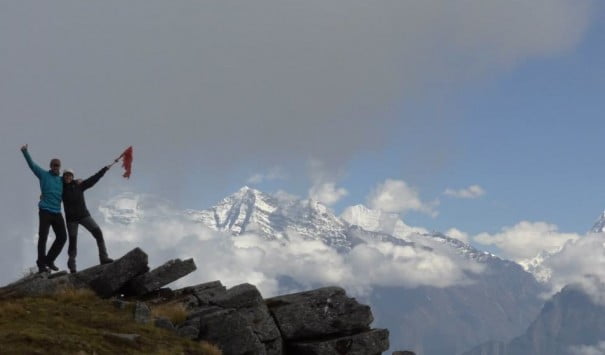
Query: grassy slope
x,y
76,322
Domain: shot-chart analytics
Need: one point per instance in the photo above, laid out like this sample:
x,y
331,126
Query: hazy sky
x,y
343,100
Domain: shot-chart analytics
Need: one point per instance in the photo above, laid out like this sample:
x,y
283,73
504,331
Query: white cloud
x,y
165,233
471,192
327,193
457,234
526,239
396,196
275,173
580,262
598,349
323,187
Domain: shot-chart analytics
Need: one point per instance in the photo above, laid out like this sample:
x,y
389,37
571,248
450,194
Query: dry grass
x,y
74,295
76,322
211,349
12,308
173,311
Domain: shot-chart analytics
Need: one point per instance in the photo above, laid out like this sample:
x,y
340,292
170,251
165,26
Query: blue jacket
x,y
51,186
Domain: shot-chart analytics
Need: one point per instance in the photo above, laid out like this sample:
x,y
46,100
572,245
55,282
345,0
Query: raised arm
x,y
37,170
91,181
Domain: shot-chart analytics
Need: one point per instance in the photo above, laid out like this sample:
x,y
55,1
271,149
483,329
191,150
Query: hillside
x,y
79,322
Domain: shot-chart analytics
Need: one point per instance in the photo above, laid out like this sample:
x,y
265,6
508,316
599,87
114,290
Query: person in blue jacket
x,y
51,186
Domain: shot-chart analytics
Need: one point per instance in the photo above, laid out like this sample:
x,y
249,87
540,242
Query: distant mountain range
x,y
568,322
498,303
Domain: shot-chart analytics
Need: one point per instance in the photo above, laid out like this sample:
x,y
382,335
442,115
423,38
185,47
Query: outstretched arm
x,y
91,181
37,170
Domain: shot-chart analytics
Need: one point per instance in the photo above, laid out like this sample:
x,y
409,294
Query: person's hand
x,y
24,148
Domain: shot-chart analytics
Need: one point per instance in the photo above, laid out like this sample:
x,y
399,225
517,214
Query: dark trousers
x,y
90,225
48,219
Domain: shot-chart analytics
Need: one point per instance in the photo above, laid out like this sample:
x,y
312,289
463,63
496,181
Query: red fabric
x,y
127,162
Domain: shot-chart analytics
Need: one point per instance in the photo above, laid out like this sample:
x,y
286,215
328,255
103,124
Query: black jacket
x,y
73,197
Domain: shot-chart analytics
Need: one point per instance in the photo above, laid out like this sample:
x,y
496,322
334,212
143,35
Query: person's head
x,y
68,176
55,166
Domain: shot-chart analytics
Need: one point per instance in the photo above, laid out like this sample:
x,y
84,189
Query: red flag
x,y
127,162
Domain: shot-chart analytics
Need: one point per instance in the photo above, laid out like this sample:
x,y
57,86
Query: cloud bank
x,y
396,196
526,239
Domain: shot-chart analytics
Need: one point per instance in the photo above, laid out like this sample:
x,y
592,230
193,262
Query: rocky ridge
x,y
238,320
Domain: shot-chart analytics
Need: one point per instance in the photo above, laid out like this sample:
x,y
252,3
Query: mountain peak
x,y
599,225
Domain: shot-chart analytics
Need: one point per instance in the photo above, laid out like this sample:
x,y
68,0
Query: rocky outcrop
x,y
158,277
238,320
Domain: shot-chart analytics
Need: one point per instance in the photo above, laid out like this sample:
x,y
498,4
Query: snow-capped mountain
x,y
599,225
252,211
537,265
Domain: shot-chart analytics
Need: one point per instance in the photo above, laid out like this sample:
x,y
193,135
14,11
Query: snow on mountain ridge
x,y
252,211
599,225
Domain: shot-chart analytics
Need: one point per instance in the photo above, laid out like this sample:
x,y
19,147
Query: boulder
x,y
158,277
36,285
230,332
142,313
320,313
164,324
249,303
372,342
115,275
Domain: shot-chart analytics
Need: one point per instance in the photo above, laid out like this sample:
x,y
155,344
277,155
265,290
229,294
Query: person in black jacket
x,y
77,214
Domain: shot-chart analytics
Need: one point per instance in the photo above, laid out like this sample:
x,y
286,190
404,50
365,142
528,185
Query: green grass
x,y
76,322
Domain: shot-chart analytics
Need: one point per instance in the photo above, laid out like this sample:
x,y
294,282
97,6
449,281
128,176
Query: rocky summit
x,y
237,320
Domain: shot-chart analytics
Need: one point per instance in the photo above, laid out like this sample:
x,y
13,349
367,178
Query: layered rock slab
x,y
320,313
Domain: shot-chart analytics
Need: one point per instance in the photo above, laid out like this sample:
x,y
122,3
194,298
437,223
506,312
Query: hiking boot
x,y
43,270
71,265
106,260
52,266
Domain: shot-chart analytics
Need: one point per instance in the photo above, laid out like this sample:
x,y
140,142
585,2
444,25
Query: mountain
x,y
599,224
537,265
497,303
569,320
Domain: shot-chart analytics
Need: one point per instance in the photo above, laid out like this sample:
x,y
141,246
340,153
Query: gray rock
x,y
131,338
371,342
119,304
320,313
249,303
188,331
230,332
158,277
36,285
274,347
164,324
142,313
118,273
202,293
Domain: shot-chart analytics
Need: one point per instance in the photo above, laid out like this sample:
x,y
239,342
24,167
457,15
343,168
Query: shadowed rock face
x,y
370,342
570,318
323,312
